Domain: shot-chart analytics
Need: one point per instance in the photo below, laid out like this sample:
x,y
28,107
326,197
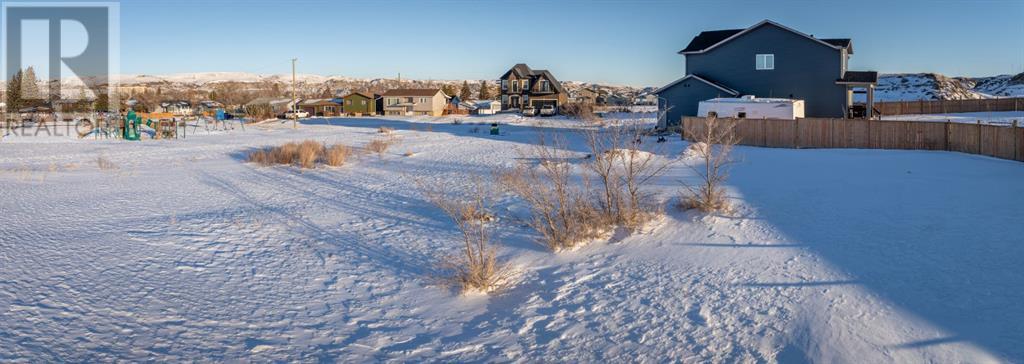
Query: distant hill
x,y
934,86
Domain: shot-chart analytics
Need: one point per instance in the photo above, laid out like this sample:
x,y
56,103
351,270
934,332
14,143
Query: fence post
x,y
979,137
796,133
1016,141
682,131
947,134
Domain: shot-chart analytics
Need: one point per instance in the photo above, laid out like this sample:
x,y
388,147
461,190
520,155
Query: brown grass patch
x,y
337,155
379,146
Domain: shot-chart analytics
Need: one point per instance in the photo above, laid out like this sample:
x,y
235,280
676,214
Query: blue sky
x,y
619,42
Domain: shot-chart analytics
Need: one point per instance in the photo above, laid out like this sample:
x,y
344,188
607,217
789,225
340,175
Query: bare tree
x,y
713,143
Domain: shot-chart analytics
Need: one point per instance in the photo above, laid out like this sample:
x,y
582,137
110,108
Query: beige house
x,y
402,102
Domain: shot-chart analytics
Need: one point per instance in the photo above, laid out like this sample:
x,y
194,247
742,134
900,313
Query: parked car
x,y
547,110
296,114
529,111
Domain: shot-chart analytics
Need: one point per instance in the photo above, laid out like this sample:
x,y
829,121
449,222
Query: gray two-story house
x,y
768,60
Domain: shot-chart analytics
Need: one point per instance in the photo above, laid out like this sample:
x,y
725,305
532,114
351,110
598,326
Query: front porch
x,y
860,83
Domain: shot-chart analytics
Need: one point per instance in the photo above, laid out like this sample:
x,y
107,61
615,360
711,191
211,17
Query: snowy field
x,y
991,117
180,251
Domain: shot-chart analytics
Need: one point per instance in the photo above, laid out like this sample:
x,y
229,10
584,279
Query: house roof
x,y
709,38
841,43
711,41
412,92
363,94
310,102
522,70
701,79
859,77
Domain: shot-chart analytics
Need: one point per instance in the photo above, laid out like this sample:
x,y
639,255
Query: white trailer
x,y
752,107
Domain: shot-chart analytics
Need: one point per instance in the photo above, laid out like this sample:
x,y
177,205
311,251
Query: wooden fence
x,y
1006,142
949,106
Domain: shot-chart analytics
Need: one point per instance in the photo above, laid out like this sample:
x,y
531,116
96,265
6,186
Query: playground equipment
x,y
131,126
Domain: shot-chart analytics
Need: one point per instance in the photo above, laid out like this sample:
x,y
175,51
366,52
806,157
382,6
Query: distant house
x,y
176,107
431,101
321,107
522,86
767,60
208,106
487,107
586,96
268,106
362,103
645,99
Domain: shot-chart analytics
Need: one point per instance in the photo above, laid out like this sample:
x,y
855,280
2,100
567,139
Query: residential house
x,y
522,86
487,107
362,103
208,106
175,107
645,99
586,96
321,107
429,101
767,60
269,106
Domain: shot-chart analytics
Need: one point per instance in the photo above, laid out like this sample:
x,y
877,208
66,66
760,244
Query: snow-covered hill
x,y
933,86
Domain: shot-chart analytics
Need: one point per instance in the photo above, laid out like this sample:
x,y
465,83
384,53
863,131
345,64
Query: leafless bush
x,y
712,146
623,171
578,110
385,130
379,146
337,155
561,211
476,267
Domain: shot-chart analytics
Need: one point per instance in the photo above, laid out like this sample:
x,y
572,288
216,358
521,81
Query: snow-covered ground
x,y
184,252
990,117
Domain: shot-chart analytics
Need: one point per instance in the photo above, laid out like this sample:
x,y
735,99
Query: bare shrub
x,y
712,146
308,153
476,267
385,130
623,171
105,164
409,154
336,155
305,154
379,146
578,110
561,211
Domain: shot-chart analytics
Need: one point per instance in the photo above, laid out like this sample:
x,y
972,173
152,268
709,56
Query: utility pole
x,y
295,100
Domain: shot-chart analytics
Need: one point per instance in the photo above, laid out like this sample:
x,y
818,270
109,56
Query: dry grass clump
x,y
561,211
105,164
379,146
476,266
409,154
385,130
712,146
337,155
306,154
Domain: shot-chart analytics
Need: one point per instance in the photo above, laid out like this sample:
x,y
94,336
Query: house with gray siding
x,y
768,60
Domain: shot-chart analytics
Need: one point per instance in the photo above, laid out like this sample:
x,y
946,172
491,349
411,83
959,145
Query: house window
x,y
423,99
545,85
504,85
526,84
364,102
764,62
348,102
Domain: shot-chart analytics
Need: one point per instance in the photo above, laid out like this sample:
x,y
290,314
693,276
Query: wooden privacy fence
x,y
949,106
1006,142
